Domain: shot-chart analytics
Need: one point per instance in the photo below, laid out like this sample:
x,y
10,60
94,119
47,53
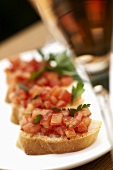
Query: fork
x,y
103,98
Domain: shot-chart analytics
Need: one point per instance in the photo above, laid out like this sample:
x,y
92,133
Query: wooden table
x,y
33,37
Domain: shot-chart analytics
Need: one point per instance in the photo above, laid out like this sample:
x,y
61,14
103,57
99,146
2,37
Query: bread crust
x,y
40,145
17,113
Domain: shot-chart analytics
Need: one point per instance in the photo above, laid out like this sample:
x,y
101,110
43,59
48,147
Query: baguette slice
x,y
40,145
17,113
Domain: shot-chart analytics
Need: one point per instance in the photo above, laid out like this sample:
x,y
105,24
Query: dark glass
x,y
85,24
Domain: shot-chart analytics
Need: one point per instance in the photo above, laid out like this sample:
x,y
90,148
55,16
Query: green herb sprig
x,y
77,91
80,107
38,118
22,86
72,110
56,109
63,65
36,74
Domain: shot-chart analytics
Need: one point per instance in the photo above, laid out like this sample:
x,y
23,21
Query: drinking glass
x,y
84,26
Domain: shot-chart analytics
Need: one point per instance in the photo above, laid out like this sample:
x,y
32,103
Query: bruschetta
x,y
41,73
57,131
24,102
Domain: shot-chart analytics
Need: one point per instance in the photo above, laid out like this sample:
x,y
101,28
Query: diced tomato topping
x,y
21,94
65,112
72,123
35,112
65,95
31,128
59,123
45,95
35,90
45,121
66,120
37,103
53,100
86,112
48,104
61,103
82,128
42,81
30,107
86,120
56,119
66,80
38,111
50,75
70,133
78,116
55,91
26,119
60,130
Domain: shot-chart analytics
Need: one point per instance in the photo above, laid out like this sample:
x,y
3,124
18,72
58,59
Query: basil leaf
x,y
36,74
64,65
72,112
22,86
77,91
35,97
56,109
41,53
77,77
80,107
38,118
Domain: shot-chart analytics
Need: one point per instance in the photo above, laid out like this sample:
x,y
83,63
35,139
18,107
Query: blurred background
x,y
15,15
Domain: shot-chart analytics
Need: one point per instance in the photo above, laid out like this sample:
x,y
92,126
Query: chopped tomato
x,y
78,116
21,94
61,103
86,112
72,123
60,130
45,95
31,128
55,91
54,100
86,120
48,104
45,121
27,118
65,112
35,112
30,107
42,81
56,122
56,119
70,133
50,75
66,80
66,120
82,128
35,90
38,111
65,95
37,103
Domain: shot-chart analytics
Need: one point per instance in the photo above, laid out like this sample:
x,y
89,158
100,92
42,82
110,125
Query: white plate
x,y
15,159
111,79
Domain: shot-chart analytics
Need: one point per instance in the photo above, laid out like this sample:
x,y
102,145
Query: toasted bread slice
x,y
39,145
17,113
